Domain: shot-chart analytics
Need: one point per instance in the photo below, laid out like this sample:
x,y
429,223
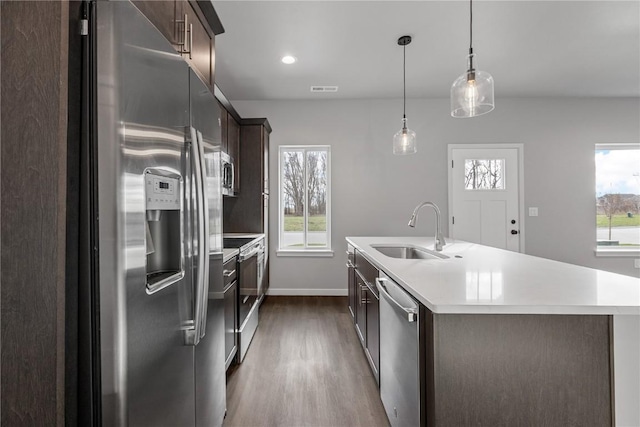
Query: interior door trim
x,y
520,150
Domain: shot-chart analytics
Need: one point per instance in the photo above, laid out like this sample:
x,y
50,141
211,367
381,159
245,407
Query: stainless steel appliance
x,y
230,274
228,174
159,347
401,355
250,275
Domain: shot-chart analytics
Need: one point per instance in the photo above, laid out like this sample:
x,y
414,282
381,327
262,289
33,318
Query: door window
x,y
484,174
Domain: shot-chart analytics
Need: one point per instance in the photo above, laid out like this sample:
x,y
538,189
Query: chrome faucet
x,y
439,237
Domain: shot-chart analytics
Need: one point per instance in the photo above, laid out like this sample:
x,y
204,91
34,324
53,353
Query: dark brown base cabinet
x,y
518,370
351,282
499,369
364,295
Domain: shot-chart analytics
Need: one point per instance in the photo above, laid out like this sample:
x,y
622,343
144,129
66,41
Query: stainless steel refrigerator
x,y
159,306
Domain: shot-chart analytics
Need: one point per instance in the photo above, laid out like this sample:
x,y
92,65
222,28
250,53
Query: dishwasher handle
x,y
411,312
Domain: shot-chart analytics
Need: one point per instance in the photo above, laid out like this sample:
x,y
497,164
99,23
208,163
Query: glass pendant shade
x,y
404,141
472,93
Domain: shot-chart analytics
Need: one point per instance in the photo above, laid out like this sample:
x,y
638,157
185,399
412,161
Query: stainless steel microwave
x,y
228,175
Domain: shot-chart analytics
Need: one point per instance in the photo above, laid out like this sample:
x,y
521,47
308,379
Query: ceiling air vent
x,y
324,89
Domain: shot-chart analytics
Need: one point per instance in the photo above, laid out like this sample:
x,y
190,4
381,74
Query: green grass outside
x,y
296,223
620,220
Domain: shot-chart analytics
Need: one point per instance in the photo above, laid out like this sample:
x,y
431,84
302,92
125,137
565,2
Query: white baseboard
x,y
308,292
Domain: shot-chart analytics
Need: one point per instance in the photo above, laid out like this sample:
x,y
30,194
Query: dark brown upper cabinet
x,y
197,41
223,128
184,25
233,149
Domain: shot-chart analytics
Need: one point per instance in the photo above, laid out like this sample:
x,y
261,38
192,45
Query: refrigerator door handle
x,y
193,335
204,219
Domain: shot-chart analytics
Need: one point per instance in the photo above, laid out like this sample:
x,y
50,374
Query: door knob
x,y
514,231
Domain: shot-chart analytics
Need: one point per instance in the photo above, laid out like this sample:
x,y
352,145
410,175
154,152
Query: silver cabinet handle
x,y
184,40
187,33
190,39
363,300
228,273
350,265
411,312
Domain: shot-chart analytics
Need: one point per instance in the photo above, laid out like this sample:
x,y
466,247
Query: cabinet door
x,y
352,291
224,128
361,308
373,332
199,44
162,15
351,284
233,149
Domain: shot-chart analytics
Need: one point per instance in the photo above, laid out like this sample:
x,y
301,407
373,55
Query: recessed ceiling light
x,y
289,59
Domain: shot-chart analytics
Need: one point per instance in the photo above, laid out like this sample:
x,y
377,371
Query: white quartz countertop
x,y
481,279
247,235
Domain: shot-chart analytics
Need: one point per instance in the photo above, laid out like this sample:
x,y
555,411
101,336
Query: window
x,y
304,216
617,198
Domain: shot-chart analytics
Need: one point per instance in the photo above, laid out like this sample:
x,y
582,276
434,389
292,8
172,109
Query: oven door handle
x,y
253,252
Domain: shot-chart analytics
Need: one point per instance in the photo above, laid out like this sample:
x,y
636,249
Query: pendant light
x,y
472,92
404,141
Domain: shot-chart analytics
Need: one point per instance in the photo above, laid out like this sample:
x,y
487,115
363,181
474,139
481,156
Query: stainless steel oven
x,y
250,267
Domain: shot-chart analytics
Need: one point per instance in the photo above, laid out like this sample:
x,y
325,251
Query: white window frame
x,y
610,251
304,251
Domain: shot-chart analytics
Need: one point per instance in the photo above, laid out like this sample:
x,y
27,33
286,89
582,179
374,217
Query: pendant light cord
x,y
470,27
404,81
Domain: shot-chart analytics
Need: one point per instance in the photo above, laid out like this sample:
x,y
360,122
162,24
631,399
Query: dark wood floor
x,y
305,367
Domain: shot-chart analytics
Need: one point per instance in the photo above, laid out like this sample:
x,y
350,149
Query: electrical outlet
x,y
636,263
533,211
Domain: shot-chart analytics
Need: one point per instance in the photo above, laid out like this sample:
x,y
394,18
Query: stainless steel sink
x,y
408,252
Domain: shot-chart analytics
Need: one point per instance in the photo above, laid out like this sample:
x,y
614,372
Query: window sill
x,y
319,253
621,253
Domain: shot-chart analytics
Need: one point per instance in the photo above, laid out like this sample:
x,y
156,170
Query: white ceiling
x,y
532,48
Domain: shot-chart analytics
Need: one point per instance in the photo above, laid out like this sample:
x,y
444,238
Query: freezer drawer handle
x,y
411,312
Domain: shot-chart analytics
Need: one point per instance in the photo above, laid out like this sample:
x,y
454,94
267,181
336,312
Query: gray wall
x,y
374,192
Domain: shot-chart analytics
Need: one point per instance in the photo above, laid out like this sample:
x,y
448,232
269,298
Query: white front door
x,y
484,186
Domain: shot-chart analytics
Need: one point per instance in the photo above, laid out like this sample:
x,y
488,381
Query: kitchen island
x,y
512,339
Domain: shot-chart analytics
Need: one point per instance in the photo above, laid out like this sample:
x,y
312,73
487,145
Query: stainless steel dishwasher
x,y
401,363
